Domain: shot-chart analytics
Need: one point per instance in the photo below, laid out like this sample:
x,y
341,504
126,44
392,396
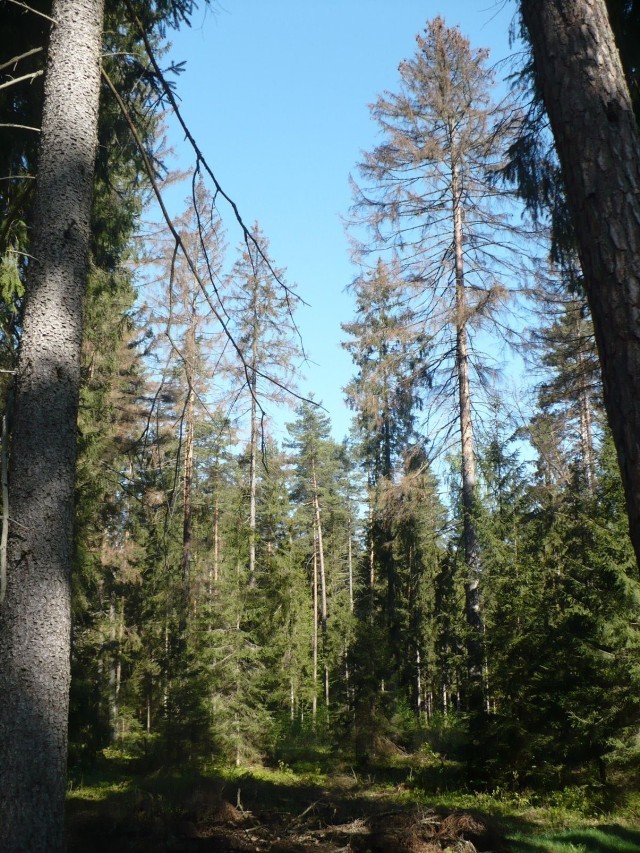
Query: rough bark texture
x,y
35,617
589,107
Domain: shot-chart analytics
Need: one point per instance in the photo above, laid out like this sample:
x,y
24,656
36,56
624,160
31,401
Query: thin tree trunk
x,y
187,469
470,534
116,619
372,560
252,492
586,431
216,539
350,566
35,616
323,583
587,99
314,708
253,441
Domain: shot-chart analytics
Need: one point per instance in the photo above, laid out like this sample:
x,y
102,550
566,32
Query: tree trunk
x,y
187,469
586,430
216,540
35,616
314,705
350,564
323,583
470,534
253,439
587,99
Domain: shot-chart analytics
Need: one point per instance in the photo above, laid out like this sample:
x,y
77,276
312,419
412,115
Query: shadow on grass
x,y
120,810
191,812
598,839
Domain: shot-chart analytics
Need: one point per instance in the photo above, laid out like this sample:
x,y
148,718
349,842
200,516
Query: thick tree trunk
x,y
35,625
597,140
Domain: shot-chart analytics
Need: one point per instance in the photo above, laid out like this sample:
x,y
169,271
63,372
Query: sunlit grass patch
x,y
600,839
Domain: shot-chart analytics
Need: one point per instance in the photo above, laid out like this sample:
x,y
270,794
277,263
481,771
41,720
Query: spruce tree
x,y
428,201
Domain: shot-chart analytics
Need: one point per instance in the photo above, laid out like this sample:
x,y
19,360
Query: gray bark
x,y
468,461
598,144
253,441
35,616
187,470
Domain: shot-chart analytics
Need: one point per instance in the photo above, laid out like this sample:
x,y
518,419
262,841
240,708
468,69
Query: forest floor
x,y
386,810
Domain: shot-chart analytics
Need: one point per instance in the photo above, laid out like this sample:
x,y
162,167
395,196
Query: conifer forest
x,y
222,625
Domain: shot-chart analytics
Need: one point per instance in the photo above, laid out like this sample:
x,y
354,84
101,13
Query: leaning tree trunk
x,y
598,144
35,626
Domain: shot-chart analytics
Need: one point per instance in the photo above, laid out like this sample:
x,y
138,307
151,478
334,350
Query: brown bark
x,y
598,144
35,616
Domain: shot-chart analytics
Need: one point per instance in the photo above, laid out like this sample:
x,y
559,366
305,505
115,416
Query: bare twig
x,y
21,127
200,159
16,59
188,258
191,263
16,80
31,9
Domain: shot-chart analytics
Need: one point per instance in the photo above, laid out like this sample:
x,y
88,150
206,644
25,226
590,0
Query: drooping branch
x,y
218,313
200,158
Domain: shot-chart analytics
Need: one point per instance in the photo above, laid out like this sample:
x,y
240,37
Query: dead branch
x,y
21,127
16,80
190,262
200,159
31,9
16,59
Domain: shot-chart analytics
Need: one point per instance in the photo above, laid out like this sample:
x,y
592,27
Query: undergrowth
x,y
577,819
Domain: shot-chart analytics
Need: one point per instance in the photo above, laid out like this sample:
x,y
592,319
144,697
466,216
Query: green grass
x,y
598,839
575,820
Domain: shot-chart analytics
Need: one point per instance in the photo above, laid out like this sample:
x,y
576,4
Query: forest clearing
x,y
408,804
229,619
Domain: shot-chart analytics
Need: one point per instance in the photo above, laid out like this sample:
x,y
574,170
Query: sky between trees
x,y
277,95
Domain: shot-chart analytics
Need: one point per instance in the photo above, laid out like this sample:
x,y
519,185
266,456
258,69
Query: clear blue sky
x,y
276,92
